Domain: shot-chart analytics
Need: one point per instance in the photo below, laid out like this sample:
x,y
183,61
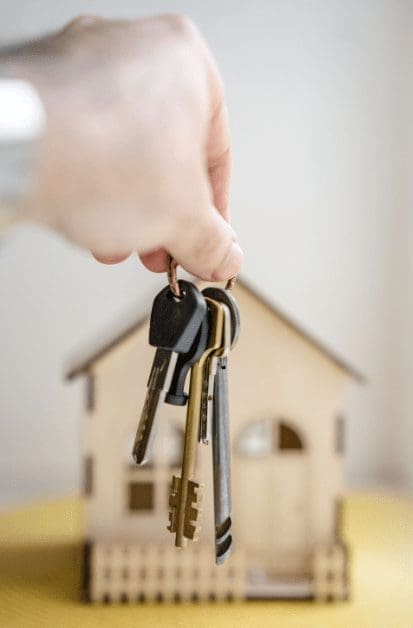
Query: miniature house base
x,y
287,473
133,573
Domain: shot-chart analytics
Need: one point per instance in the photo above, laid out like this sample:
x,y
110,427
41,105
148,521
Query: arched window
x,y
254,441
260,438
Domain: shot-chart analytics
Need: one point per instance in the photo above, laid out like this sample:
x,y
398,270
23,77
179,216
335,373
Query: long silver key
x,y
221,455
158,384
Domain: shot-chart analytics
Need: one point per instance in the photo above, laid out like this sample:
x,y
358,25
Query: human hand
x,y
137,151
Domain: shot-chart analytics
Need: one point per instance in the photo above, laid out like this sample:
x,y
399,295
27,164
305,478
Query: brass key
x,y
208,379
184,500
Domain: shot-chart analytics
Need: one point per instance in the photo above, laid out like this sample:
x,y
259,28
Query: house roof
x,y
84,364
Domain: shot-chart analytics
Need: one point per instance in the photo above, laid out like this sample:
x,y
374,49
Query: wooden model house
x,y
287,431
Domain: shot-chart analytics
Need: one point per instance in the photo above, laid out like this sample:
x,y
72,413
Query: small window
x,y
338,517
90,392
254,440
340,435
88,476
141,496
288,437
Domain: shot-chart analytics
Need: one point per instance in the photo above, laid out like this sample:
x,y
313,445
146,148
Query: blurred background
x,y
320,101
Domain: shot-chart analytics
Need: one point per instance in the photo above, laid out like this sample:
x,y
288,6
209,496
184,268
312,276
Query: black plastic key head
x,y
175,322
176,395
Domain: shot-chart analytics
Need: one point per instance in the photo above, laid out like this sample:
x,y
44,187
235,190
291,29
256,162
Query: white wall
x,y
316,93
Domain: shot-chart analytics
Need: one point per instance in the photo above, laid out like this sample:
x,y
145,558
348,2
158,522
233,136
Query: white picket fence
x,y
330,569
130,573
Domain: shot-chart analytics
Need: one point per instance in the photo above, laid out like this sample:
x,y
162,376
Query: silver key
x,y
221,437
221,463
158,384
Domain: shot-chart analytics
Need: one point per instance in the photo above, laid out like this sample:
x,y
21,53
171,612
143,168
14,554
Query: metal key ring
x,y
173,279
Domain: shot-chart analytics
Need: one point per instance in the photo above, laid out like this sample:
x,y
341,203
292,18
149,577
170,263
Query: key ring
x,y
173,279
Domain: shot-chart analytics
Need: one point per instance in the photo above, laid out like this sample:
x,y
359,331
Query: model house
x,y
287,395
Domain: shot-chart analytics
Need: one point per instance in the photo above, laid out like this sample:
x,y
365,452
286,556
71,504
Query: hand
x,y
137,152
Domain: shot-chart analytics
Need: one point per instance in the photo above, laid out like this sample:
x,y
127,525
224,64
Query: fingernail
x,y
231,264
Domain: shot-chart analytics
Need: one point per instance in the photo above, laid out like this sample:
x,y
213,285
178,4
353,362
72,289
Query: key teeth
x,y
173,502
193,516
195,493
193,511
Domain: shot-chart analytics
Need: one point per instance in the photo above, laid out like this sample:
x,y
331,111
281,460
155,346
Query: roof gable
x,y
85,364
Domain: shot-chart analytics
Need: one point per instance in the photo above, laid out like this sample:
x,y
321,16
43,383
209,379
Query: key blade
x,y
223,550
160,369
208,378
221,463
159,378
145,432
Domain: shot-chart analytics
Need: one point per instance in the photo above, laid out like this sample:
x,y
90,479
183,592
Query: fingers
x,y
207,247
110,259
82,21
156,261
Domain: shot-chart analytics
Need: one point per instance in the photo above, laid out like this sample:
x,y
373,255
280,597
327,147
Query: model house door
x,y
273,494
290,520
252,508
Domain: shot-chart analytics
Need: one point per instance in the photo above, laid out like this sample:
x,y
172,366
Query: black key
x,y
176,395
175,321
174,326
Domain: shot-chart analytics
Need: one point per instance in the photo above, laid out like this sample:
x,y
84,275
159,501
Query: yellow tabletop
x,y
40,575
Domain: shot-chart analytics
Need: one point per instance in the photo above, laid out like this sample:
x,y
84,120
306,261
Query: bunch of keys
x,y
193,333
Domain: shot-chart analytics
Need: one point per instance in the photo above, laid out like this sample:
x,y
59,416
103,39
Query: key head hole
x,y
175,298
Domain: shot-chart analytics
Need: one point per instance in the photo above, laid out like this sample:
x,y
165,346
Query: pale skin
x,y
137,152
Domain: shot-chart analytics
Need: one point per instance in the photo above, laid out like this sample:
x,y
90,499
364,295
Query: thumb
x,y
206,246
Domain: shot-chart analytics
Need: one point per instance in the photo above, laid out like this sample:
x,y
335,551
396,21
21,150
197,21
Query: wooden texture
x,y
284,496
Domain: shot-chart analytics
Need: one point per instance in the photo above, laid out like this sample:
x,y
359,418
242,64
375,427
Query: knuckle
x,y
83,20
181,25
213,248
222,257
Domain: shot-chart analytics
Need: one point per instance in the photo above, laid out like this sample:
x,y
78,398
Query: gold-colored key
x,y
208,379
184,499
